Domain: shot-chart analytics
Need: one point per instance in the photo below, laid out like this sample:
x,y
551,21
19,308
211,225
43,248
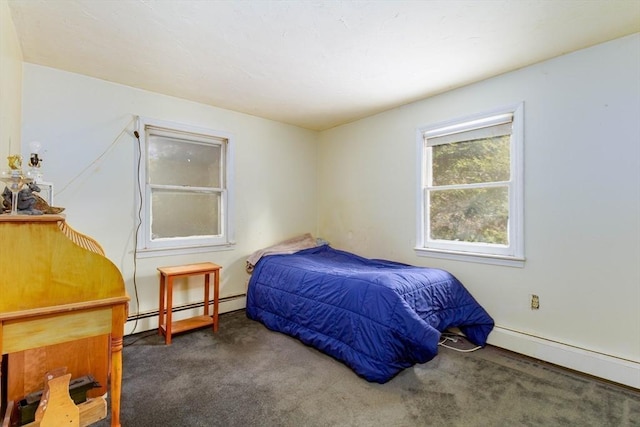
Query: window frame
x,y
509,255
145,245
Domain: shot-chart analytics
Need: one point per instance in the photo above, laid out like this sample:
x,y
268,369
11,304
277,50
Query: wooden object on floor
x,y
56,408
58,289
91,411
166,326
6,420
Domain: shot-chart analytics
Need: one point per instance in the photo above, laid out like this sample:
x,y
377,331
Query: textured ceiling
x,y
314,64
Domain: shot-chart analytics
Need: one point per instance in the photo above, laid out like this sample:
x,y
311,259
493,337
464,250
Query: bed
x,y
376,316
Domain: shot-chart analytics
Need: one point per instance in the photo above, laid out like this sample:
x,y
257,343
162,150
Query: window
x,y
471,188
186,189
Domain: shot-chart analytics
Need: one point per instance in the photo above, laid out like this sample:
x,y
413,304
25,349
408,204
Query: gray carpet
x,y
246,375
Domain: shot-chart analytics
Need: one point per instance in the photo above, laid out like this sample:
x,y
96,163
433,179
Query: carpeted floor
x,y
246,375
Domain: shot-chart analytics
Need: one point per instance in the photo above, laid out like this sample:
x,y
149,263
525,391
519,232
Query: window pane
x,y
478,215
178,162
471,162
184,214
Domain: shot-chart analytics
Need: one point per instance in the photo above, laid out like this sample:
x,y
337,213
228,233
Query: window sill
x,y
471,257
154,253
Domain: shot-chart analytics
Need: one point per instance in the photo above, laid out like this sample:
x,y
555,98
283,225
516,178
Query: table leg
x,y
216,291
167,337
161,304
206,294
117,332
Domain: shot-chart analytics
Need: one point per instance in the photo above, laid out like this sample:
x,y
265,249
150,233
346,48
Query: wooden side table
x,y
166,326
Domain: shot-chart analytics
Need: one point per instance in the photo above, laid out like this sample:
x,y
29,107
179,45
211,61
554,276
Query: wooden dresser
x,y
62,303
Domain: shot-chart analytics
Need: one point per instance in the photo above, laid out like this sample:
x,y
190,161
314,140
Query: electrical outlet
x,y
535,302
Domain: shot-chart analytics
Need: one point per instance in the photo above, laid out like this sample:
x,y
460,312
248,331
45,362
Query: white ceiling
x,y
312,63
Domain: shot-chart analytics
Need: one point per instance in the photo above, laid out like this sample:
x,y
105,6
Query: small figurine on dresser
x,y
29,201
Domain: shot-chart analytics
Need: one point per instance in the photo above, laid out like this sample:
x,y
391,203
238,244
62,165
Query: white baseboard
x,y
610,368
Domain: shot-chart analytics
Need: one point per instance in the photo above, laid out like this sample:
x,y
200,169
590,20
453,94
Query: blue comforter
x,y
376,316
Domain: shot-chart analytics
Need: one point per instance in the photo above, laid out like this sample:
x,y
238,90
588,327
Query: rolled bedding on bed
x,y
289,246
376,316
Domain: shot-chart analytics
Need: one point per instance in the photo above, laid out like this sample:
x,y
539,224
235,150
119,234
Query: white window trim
x,y
144,247
468,252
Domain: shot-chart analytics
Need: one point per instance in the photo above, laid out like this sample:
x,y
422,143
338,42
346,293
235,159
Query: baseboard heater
x,y
183,307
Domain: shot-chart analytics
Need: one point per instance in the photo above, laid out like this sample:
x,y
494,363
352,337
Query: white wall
x,y
10,86
85,126
582,204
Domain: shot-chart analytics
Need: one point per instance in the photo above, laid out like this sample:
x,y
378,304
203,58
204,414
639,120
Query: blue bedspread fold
x,y
376,316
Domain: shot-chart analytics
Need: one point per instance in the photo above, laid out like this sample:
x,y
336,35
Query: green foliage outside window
x,y
475,214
